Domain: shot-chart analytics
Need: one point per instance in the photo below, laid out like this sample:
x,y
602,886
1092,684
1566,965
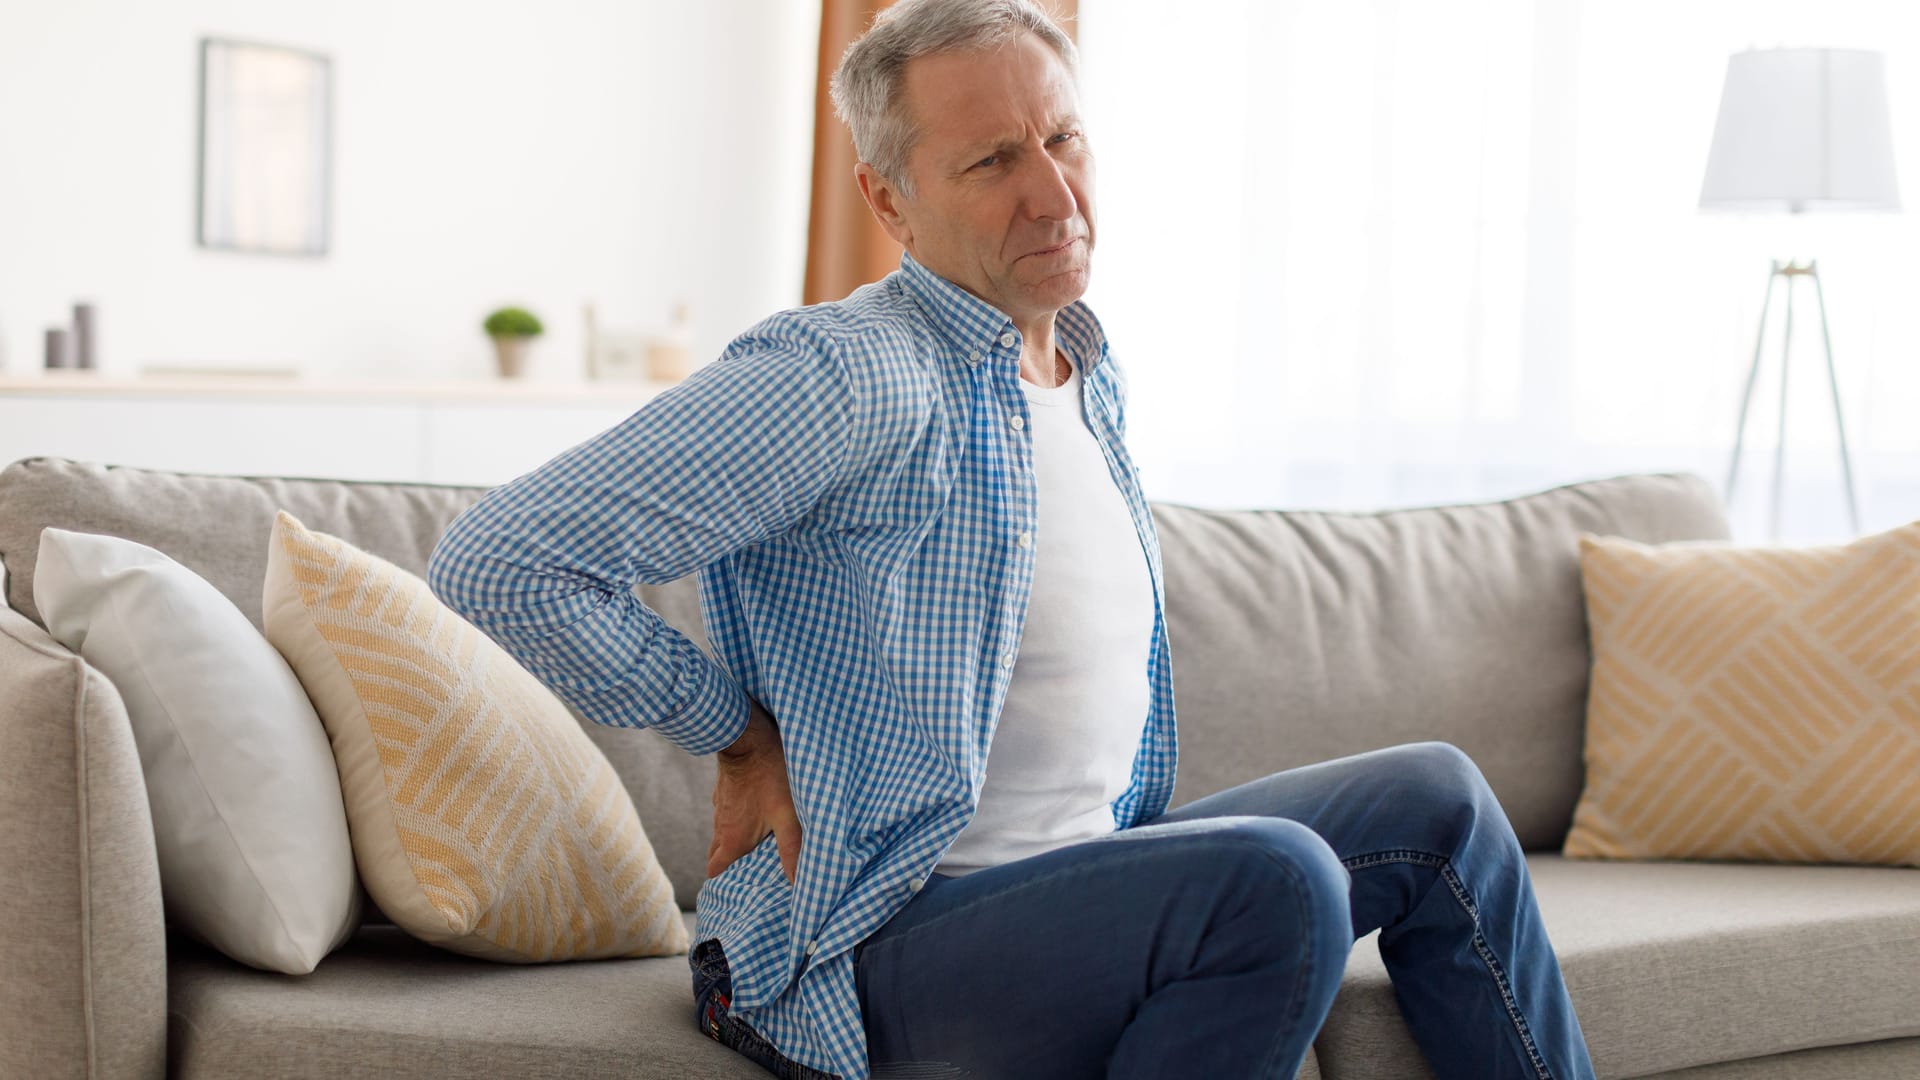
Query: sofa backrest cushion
x,y
218,526
1297,636
1300,636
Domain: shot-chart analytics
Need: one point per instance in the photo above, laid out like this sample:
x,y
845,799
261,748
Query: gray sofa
x,y
1297,637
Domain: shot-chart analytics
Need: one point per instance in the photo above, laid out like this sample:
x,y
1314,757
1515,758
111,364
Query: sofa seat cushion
x,y
386,1005
1679,964
1889,1059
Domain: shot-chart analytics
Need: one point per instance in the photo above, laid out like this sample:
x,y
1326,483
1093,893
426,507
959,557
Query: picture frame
x,y
264,181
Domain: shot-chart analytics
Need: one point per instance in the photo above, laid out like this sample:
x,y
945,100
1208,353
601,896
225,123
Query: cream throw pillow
x,y
247,820
484,820
1753,703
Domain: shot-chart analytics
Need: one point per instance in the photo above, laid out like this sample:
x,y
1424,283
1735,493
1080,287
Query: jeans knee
x,y
1276,860
1444,784
1440,760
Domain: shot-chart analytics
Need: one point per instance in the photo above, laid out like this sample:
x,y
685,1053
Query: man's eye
x,y
989,160
1064,136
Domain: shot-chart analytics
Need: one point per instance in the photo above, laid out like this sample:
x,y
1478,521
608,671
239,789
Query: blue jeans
x,y
1211,941
712,996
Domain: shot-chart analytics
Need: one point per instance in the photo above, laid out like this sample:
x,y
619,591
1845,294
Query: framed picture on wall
x,y
266,135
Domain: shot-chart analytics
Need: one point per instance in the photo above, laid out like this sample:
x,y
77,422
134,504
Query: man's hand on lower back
x,y
751,798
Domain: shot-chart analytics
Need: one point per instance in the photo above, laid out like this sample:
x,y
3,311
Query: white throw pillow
x,y
247,813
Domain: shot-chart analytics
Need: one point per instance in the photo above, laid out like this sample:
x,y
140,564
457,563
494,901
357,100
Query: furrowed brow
x,y
998,144
974,151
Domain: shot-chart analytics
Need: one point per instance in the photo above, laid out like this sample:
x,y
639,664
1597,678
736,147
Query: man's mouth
x,y
1062,246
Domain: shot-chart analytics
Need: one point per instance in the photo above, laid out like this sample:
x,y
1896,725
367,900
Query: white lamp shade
x,y
1802,129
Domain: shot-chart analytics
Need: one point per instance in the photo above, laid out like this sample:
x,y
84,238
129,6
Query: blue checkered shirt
x,y
848,480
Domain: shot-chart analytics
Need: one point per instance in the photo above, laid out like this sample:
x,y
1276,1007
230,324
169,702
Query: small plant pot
x,y
511,350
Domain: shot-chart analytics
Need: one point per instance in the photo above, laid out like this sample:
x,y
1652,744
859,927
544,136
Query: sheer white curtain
x,y
1359,255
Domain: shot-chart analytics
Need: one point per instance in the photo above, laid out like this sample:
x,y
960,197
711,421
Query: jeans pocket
x,y
712,996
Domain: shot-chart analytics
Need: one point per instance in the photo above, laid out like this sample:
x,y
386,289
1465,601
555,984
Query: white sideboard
x,y
479,431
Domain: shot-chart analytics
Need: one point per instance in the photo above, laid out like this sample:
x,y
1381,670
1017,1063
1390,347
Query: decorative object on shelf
x,y
56,347
84,336
1800,129
266,119
670,358
614,354
512,330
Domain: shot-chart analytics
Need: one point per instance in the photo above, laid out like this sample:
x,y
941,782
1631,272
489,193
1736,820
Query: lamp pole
x,y
1791,271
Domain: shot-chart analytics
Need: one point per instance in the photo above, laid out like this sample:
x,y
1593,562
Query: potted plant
x,y
512,329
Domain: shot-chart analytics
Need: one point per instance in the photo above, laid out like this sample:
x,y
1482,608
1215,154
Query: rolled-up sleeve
x,y
546,564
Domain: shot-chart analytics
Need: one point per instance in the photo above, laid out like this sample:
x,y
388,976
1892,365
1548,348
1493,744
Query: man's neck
x,y
1039,350
1037,362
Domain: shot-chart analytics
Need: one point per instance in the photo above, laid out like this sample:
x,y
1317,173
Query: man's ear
x,y
884,200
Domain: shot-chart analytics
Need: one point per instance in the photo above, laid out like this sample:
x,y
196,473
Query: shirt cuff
x,y
703,712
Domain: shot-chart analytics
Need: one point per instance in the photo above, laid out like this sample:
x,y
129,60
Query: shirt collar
x,y
979,330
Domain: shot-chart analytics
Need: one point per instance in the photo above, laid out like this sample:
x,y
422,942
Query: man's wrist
x,y
758,731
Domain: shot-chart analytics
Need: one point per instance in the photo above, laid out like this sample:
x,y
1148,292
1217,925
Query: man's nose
x,y
1048,195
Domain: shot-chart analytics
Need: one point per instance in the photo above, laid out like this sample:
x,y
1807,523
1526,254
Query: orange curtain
x,y
846,248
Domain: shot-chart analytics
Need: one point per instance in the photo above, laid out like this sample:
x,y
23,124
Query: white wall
x,y
1453,251
636,152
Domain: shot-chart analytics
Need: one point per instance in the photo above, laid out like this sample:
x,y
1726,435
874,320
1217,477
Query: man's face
x,y
1002,176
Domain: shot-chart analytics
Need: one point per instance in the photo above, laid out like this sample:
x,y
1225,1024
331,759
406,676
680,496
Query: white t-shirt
x,y
1077,704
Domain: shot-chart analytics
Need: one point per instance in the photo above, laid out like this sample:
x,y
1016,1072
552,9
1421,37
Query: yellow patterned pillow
x,y
483,819
1753,703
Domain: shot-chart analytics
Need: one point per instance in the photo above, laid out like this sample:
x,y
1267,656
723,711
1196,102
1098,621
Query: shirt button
x,y
913,886
973,357
809,948
1016,422
1006,659
1025,540
1006,338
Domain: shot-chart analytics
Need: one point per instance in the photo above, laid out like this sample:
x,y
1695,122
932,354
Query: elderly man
x,y
940,690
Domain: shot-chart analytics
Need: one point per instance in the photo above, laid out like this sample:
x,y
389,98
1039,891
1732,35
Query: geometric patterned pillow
x,y
483,819
1752,703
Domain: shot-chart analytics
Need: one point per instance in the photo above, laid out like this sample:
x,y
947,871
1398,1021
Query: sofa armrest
x,y
83,965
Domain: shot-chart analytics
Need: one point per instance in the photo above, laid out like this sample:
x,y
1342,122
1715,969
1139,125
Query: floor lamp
x,y
1800,129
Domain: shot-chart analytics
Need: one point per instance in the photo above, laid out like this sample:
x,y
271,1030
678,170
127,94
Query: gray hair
x,y
866,87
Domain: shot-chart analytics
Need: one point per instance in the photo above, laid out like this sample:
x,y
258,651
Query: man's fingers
x,y
723,851
787,837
